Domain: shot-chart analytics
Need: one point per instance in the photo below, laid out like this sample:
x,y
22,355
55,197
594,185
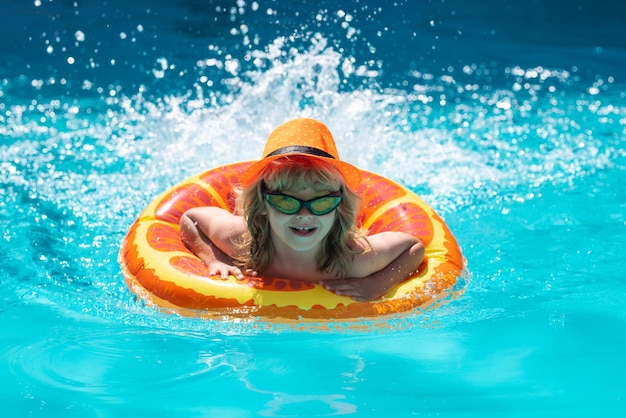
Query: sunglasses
x,y
290,205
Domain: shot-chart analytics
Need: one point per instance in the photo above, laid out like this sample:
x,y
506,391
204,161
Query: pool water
x,y
508,118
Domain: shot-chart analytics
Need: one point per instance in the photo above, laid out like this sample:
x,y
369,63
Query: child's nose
x,y
304,212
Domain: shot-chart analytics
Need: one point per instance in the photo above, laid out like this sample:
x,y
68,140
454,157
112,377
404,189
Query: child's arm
x,y
208,232
392,257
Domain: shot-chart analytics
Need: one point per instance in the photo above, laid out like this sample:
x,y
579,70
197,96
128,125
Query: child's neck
x,y
291,264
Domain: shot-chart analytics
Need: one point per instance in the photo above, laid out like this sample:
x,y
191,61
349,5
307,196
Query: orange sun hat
x,y
307,137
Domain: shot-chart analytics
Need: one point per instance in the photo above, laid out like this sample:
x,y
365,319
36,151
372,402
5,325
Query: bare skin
x,y
387,258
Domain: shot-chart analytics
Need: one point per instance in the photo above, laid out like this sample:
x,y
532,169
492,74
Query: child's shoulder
x,y
384,240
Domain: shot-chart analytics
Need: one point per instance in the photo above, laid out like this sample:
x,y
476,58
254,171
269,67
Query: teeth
x,y
303,229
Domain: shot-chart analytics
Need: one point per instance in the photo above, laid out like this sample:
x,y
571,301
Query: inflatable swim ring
x,y
162,271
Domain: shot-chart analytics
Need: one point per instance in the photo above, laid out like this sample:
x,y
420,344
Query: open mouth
x,y
303,231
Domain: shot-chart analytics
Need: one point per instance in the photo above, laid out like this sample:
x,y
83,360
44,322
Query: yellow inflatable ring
x,y
160,270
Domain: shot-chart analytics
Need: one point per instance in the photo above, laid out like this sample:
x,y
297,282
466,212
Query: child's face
x,y
301,231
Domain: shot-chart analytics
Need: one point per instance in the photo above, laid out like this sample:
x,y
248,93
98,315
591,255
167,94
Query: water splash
x,y
76,172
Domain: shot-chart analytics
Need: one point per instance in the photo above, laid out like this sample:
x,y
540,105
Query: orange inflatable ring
x,y
160,270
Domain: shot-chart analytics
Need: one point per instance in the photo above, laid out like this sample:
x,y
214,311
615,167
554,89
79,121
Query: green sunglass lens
x,y
284,203
324,205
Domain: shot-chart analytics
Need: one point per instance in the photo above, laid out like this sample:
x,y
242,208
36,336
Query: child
x,y
295,219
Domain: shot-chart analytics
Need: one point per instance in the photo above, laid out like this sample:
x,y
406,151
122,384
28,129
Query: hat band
x,y
301,150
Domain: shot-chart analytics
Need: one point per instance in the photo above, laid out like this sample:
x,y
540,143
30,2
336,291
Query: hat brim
x,y
350,173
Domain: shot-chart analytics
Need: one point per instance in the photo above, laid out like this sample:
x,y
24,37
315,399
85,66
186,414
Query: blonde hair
x,y
298,173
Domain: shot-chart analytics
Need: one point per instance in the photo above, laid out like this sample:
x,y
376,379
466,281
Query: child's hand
x,y
223,270
361,289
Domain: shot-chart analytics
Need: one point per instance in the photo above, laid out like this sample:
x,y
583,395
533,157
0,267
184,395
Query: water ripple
x,y
109,364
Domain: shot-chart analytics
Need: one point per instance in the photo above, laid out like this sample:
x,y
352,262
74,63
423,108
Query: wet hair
x,y
298,173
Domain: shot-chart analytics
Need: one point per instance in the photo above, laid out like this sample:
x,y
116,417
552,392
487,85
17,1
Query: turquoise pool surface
x,y
508,118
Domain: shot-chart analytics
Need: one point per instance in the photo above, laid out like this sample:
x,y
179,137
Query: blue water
x,y
507,117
